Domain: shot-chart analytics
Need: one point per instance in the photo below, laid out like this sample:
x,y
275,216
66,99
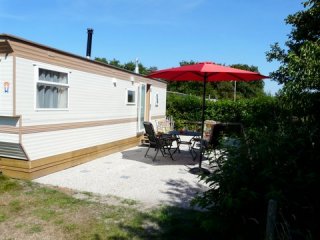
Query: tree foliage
x,y
300,64
220,90
214,90
278,159
130,66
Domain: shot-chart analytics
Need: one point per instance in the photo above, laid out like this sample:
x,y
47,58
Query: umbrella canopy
x,y
212,71
205,72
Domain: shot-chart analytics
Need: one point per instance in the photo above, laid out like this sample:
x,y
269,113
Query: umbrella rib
x,y
236,77
177,76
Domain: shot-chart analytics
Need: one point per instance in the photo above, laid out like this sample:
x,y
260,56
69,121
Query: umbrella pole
x,y
202,117
200,170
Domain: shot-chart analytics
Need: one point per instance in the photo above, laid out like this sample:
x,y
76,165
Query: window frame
x,y
47,83
156,99
127,96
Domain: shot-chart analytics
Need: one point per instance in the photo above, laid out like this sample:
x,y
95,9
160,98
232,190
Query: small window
x,y
156,100
131,96
52,89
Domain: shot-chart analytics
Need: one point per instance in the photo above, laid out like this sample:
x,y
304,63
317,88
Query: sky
x,y
159,33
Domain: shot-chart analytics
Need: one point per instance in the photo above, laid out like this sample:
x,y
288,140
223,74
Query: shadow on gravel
x,y
182,158
181,193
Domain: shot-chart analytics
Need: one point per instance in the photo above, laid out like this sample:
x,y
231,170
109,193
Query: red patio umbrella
x,y
205,72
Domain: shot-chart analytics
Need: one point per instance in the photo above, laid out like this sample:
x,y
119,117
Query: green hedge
x,y
250,112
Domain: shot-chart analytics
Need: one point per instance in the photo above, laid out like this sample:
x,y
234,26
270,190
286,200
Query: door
x,y
141,106
148,103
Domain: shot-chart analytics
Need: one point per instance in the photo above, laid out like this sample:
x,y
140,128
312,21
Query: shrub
x,y
251,112
282,164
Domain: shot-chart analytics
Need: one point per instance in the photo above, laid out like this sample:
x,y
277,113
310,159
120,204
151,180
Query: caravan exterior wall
x,y
6,86
97,111
62,109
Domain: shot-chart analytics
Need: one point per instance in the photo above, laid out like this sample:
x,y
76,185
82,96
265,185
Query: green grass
x,y
35,228
129,202
70,227
29,210
19,225
45,214
3,217
89,194
8,185
15,206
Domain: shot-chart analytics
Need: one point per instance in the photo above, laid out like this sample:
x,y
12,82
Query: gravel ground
x,y
128,174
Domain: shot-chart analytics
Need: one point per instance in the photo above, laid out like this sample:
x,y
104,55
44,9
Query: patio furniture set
x,y
164,141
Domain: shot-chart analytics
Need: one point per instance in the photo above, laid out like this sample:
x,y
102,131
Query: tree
x,y
299,72
130,66
103,60
217,90
280,159
300,64
248,89
220,90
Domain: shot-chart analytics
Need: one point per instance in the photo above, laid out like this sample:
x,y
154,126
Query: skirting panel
x,y
34,169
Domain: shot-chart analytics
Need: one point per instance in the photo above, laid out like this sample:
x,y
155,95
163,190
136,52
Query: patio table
x,y
185,133
195,137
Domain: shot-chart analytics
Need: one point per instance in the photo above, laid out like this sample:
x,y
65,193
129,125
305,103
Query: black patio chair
x,y
162,143
209,145
190,143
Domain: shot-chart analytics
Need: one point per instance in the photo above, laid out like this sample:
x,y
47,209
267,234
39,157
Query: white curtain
x,y
62,100
50,96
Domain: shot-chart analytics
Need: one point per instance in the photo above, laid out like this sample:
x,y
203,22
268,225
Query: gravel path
x,y
128,174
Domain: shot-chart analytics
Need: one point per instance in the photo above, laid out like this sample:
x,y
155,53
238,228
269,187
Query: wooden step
x,y
145,140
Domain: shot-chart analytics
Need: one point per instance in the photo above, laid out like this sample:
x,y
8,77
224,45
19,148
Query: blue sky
x,y
160,33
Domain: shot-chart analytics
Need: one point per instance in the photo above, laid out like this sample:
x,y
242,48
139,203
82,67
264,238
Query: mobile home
x,y
58,110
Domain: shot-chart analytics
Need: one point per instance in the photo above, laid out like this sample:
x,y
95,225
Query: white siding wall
x,y
6,75
92,97
46,144
9,122
162,96
7,137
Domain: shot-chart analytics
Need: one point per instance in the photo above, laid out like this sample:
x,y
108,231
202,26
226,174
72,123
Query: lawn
x,y
32,211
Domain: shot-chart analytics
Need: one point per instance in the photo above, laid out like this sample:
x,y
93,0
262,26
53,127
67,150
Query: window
x,y
156,100
52,89
131,96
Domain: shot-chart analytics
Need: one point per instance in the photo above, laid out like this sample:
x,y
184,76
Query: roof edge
x,y
6,36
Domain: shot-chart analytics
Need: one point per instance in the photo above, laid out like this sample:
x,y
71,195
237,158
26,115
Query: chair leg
x,y
155,155
162,151
170,155
191,152
178,148
147,151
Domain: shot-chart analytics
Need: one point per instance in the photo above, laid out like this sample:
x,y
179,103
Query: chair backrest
x,y
230,129
164,125
150,132
216,131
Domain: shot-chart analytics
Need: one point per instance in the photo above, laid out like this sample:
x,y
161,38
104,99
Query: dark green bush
x,y
278,159
250,112
282,164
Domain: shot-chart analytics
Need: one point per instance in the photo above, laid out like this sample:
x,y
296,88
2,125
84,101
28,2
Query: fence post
x,y
271,219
